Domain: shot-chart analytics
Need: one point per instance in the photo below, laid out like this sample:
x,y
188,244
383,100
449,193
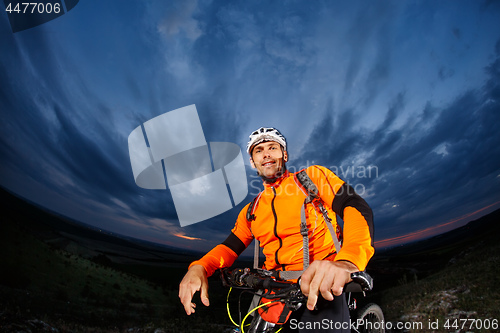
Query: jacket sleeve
x,y
357,215
224,254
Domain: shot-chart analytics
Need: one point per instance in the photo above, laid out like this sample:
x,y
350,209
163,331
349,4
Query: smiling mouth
x,y
266,164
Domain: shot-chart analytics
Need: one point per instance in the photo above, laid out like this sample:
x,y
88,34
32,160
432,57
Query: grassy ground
x,y
40,285
464,292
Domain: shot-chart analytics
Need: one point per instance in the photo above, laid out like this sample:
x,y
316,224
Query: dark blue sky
x,y
400,98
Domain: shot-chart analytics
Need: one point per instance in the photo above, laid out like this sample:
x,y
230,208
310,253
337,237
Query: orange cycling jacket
x,y
276,224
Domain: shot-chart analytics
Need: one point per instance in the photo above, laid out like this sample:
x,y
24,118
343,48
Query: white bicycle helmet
x,y
265,134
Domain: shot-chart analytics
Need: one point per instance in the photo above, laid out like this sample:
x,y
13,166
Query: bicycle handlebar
x,y
262,279
279,290
252,279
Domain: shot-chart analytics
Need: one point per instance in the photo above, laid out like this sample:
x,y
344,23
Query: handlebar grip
x,y
253,281
263,282
361,281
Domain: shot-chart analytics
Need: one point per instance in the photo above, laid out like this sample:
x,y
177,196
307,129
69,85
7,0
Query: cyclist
x,y
275,222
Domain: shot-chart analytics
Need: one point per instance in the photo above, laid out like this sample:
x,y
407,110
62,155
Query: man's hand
x,y
194,280
327,278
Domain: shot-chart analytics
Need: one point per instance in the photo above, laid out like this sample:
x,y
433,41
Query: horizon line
x,y
427,232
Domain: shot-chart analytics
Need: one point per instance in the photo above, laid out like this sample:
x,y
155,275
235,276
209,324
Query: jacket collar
x,y
278,181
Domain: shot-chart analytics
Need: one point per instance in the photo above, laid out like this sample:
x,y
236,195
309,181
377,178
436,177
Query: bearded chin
x,y
276,176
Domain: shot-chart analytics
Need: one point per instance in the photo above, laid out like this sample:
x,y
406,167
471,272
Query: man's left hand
x,y
327,278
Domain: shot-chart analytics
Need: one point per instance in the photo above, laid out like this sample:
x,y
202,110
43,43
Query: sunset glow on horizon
x,y
428,232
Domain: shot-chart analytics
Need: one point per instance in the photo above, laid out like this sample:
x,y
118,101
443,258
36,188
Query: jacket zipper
x,y
276,229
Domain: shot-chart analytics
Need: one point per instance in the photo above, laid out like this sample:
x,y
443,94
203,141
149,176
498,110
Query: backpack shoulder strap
x,y
251,209
307,183
312,189
251,217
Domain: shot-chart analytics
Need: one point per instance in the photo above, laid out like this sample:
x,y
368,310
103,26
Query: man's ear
x,y
252,163
285,156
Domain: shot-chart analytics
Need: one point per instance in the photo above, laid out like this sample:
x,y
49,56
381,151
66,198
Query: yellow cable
x,y
245,318
258,307
227,305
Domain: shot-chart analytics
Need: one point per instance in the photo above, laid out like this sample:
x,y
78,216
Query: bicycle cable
x,y
254,309
227,306
229,310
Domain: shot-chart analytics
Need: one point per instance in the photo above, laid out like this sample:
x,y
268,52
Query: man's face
x,y
268,158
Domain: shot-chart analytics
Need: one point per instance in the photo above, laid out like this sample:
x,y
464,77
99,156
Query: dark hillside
x,y
449,278
50,226
58,275
80,280
421,258
154,262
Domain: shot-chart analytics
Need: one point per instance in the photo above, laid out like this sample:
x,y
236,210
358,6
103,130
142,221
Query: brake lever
x,y
296,299
361,282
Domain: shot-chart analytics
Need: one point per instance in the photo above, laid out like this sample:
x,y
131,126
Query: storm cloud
x,y
400,99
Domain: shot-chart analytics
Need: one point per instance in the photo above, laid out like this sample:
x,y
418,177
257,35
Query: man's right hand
x,y
194,280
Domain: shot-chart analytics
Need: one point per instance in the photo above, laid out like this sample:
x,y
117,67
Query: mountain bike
x,y
266,286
